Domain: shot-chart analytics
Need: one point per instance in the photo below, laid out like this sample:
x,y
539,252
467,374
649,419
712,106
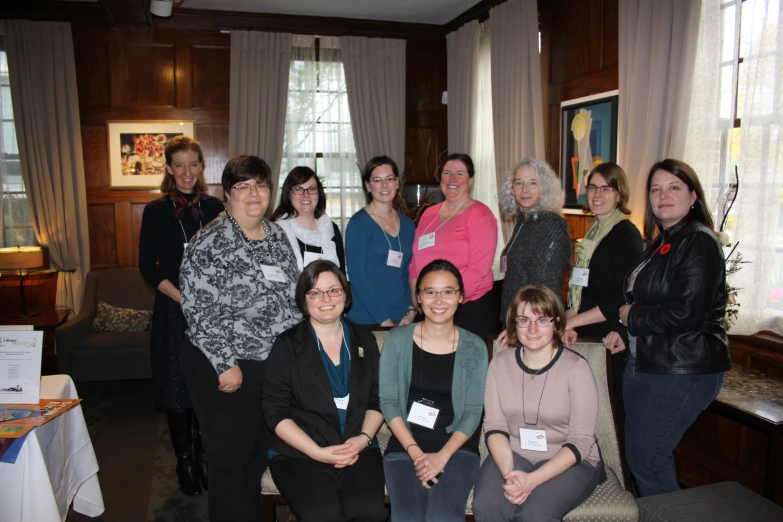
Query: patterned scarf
x,y
182,202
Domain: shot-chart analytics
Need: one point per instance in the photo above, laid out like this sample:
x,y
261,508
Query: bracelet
x,y
409,445
410,309
369,439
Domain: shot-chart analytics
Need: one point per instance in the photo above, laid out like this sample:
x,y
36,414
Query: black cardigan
x,y
297,387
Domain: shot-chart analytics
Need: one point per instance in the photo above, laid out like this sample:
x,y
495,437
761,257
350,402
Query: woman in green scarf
x,y
605,255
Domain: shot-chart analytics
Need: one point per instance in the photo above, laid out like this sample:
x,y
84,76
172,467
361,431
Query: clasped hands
x,y
343,455
428,465
519,485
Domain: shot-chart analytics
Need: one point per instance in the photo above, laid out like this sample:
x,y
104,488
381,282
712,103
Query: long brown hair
x,y
182,144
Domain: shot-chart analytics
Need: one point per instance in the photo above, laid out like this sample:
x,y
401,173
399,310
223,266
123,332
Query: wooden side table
x,y
47,321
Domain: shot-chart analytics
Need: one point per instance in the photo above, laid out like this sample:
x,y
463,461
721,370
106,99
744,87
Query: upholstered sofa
x,y
86,355
609,502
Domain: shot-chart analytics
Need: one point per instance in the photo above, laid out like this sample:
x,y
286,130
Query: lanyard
x,y
508,248
399,229
447,219
543,388
320,348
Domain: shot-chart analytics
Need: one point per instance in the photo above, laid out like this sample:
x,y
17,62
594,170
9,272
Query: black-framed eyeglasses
x,y
319,294
299,190
541,322
445,294
605,189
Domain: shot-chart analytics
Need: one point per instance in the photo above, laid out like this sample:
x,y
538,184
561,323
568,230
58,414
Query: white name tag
x,y
342,402
273,273
423,415
534,440
503,264
579,276
394,259
427,241
309,257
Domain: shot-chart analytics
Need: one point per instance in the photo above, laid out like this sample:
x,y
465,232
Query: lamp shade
x,y
161,8
18,258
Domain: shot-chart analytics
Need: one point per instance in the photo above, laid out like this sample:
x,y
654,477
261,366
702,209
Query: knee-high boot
x,y
181,429
200,454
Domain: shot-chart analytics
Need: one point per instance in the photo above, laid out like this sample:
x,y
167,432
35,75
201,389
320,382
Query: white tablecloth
x,y
56,466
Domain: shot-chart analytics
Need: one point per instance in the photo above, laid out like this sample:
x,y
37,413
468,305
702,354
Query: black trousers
x,y
234,434
480,316
318,492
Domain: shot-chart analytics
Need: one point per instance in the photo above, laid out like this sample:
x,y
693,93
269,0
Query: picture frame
x,y
136,159
588,136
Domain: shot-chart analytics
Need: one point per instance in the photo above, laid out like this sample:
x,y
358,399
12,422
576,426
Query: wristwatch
x,y
369,439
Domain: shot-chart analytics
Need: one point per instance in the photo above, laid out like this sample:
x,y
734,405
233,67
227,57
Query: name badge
x,y
309,257
423,415
427,241
503,264
534,440
394,259
273,273
579,276
342,402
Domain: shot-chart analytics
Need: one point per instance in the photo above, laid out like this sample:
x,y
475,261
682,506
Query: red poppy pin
x,y
665,249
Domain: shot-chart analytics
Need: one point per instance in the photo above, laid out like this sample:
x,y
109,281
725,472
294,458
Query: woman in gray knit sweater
x,y
539,248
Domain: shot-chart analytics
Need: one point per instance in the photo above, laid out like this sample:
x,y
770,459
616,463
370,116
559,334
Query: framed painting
x,y
136,158
588,138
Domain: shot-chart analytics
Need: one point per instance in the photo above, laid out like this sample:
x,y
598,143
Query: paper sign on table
x,y
20,366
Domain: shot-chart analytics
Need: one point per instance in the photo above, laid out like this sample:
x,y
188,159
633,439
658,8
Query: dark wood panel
x,y
149,75
106,196
138,213
211,74
123,230
610,27
184,76
100,115
570,41
425,64
92,72
214,144
149,36
40,292
116,76
94,147
422,165
127,12
103,250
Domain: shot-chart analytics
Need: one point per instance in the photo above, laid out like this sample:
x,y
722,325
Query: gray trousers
x,y
550,501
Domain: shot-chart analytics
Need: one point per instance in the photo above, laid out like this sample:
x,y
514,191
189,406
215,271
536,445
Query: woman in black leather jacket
x,y
675,315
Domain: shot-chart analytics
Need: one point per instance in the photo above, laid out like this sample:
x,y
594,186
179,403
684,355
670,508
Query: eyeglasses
x,y
606,189
378,181
246,188
445,294
299,190
541,322
319,294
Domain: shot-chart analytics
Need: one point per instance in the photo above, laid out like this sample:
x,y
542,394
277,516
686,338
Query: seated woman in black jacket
x,y
321,400
678,347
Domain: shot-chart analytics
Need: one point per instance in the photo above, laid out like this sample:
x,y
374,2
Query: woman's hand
x,y
624,310
569,337
614,342
407,318
339,454
230,380
518,486
428,466
388,322
502,340
350,453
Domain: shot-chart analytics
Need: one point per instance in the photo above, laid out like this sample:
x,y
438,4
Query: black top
x,y
162,239
614,257
338,243
437,371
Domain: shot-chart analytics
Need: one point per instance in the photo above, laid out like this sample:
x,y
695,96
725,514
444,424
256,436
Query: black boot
x,y
200,454
181,429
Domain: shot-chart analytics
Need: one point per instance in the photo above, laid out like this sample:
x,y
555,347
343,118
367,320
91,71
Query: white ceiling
x,y
414,11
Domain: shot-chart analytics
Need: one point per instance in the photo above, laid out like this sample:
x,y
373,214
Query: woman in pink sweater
x,y
464,232
540,411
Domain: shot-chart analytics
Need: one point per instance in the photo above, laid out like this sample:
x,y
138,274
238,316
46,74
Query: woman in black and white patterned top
x,y
238,281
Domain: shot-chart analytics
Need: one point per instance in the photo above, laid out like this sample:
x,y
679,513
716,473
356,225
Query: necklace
x,y
534,373
255,246
378,218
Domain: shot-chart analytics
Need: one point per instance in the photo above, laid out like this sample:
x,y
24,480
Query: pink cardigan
x,y
468,240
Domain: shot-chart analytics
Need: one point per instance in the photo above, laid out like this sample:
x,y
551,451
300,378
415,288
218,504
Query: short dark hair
x,y
615,177
244,168
297,176
440,265
309,278
699,211
181,144
464,158
543,301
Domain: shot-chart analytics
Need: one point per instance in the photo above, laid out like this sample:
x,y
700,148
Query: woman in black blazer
x,y
320,399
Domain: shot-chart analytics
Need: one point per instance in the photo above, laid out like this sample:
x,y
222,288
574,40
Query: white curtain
x,y
318,131
657,47
375,78
462,65
517,103
713,146
42,71
258,90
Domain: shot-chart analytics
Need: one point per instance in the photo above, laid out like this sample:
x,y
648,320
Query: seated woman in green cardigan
x,y
431,390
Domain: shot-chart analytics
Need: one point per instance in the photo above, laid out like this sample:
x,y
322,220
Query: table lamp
x,y
22,258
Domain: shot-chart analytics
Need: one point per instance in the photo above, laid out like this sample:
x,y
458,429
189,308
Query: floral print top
x,y
233,311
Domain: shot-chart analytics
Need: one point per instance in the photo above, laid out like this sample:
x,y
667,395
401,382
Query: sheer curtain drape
x,y
462,64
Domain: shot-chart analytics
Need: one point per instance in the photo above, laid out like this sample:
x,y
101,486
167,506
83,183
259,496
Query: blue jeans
x,y
445,502
659,409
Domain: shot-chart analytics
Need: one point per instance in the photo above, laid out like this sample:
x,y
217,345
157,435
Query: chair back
x,y
124,287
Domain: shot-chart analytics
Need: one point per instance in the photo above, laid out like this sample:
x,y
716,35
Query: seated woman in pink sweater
x,y
540,410
464,232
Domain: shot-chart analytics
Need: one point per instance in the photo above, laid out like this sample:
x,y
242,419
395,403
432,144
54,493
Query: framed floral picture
x,y
136,158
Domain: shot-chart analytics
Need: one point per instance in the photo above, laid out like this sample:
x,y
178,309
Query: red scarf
x,y
183,203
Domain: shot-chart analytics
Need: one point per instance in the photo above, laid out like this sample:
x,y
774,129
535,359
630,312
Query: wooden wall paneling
x,y
211,74
103,250
183,74
94,147
106,196
123,233
422,167
138,213
610,29
117,96
570,41
40,290
149,75
92,72
98,115
214,144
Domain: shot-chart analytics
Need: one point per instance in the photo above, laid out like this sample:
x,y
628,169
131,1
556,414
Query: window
x,y
318,130
15,221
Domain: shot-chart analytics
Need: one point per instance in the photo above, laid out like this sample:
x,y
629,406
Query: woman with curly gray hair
x,y
540,247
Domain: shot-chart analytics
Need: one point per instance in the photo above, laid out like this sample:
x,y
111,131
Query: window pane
x,y
741,87
745,28
726,91
729,28
5,103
